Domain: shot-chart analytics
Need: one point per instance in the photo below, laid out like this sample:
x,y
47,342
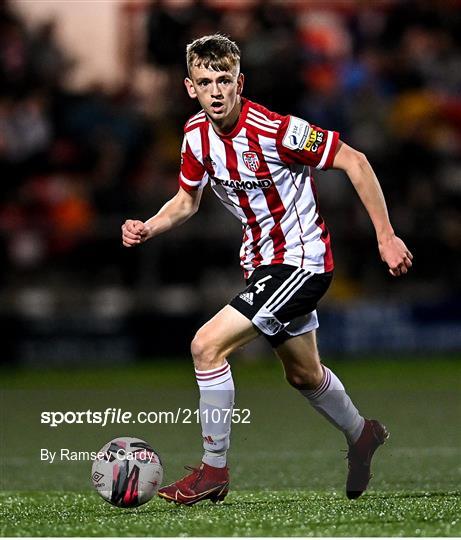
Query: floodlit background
x,y
91,113
92,107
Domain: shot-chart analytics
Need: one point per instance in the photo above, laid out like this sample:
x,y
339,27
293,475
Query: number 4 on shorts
x,y
260,285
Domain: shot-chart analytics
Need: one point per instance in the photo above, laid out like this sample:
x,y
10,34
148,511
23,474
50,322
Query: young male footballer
x,y
260,164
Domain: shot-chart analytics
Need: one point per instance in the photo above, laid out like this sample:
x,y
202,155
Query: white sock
x,y
331,400
216,404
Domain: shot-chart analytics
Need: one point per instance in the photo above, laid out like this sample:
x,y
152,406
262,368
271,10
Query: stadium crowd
x,y
74,165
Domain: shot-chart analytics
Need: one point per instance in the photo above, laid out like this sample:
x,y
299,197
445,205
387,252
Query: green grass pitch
x,y
287,465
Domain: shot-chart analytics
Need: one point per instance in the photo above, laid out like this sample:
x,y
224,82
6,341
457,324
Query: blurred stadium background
x,y
91,114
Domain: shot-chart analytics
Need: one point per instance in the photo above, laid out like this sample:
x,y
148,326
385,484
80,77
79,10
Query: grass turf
x,y
244,513
287,467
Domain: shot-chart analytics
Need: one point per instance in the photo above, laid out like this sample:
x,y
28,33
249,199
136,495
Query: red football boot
x,y
205,482
359,457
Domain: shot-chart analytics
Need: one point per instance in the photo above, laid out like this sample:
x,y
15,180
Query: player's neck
x,y
228,123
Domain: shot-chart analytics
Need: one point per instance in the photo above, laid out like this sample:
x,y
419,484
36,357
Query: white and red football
x,y
127,472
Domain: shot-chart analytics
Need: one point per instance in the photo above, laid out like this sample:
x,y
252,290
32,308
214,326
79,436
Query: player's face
x,y
218,93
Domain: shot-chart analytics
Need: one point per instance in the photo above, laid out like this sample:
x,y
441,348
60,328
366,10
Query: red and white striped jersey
x,y
261,172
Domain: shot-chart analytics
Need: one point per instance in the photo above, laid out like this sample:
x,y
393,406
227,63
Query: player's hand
x,y
134,232
395,254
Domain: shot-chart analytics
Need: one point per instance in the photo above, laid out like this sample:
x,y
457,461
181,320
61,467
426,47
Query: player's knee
x,y
305,379
204,352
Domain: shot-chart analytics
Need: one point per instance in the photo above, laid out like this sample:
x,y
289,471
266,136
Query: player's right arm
x,y
175,212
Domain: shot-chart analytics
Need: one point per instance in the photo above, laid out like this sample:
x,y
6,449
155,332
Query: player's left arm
x,y
392,249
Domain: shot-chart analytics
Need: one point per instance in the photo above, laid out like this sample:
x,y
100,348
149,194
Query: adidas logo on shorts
x,y
247,297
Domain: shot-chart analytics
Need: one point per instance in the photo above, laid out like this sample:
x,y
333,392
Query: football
x,y
127,472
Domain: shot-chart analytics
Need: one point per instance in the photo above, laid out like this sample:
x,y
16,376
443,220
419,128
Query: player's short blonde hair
x,y
215,51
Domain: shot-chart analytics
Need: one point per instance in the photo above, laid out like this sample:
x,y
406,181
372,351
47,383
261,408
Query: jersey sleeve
x,y
301,142
192,175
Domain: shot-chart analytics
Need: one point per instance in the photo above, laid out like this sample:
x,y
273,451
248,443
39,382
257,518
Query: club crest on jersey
x,y
251,160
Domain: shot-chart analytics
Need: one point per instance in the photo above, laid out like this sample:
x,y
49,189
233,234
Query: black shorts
x,y
281,301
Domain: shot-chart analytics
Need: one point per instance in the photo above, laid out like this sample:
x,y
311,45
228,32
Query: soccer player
x,y
259,164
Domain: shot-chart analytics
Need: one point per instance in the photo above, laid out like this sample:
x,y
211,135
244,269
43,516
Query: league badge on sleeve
x,y
251,160
296,134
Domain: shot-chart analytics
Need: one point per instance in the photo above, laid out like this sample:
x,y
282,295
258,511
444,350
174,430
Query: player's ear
x,y
240,81
190,88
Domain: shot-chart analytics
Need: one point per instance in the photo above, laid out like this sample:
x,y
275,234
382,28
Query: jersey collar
x,y
240,121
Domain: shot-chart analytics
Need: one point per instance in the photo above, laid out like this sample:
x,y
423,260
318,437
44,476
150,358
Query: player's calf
x,y
303,379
